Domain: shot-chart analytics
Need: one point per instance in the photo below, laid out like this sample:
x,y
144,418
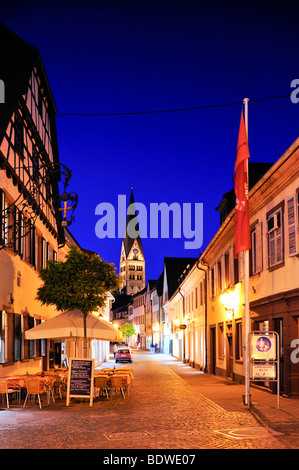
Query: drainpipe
x,y
206,315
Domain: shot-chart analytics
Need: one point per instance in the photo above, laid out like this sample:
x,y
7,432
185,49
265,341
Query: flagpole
x,y
246,279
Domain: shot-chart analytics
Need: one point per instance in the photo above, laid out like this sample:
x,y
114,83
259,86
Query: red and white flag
x,y
242,227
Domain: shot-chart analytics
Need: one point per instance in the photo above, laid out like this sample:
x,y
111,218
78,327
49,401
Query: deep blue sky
x,y
122,56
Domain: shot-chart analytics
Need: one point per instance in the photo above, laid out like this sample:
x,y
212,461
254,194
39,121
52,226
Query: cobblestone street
x,y
161,411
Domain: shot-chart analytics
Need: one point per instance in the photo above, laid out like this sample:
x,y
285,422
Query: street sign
x,y
264,357
263,371
263,346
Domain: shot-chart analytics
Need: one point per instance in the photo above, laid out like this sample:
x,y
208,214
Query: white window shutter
x,y
271,244
279,247
292,226
259,248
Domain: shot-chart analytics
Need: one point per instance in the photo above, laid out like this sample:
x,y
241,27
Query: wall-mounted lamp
x,y
230,301
11,298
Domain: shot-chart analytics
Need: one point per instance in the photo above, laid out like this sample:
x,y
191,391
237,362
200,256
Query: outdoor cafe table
x,y
21,380
55,374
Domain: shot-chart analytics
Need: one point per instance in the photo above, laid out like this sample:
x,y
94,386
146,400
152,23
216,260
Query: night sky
x,y
125,57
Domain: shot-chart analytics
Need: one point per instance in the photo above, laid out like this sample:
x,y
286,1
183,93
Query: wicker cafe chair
x,y
101,382
6,390
50,387
126,378
116,383
127,370
58,386
34,387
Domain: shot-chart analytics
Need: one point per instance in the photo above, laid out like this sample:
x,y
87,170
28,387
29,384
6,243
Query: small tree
x,y
82,282
127,330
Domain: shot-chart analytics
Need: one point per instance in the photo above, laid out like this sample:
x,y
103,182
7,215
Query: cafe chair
x,y
58,386
9,390
34,387
50,387
126,380
117,383
101,383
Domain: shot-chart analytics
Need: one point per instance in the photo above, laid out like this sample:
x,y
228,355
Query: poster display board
x,y
80,379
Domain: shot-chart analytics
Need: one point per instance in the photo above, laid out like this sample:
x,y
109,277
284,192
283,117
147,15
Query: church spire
x,y
128,241
132,262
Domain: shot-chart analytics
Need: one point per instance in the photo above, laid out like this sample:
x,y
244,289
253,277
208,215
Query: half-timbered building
x,y
30,233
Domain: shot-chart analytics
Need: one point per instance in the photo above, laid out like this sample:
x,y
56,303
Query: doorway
x,y
229,355
213,350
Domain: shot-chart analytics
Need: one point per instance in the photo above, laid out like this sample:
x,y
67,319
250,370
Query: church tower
x,y
132,262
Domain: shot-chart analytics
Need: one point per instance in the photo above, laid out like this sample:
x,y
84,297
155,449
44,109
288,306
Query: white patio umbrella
x,y
69,324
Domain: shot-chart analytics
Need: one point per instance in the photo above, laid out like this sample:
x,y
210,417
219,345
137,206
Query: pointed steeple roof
x,y
128,240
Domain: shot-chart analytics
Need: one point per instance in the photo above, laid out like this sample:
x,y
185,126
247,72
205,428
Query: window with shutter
x,y
292,226
33,250
275,237
17,354
236,270
31,323
259,247
256,251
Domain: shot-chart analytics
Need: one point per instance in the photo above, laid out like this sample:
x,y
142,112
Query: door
x,y
229,356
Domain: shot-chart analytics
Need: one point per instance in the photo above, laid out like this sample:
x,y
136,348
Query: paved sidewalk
x,y
229,396
199,406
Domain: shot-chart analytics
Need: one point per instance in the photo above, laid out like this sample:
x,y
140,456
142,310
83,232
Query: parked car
x,y
124,355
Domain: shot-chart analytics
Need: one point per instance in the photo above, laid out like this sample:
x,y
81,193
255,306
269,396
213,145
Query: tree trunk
x,y
85,338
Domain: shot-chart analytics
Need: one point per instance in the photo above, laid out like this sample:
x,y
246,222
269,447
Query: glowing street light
x,y
230,301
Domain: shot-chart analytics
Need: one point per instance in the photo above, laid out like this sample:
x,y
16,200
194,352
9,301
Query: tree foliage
x,y
80,282
127,330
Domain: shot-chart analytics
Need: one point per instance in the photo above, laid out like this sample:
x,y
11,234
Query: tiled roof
x,y
174,268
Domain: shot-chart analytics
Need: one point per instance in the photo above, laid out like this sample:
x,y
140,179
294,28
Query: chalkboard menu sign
x,y
80,379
